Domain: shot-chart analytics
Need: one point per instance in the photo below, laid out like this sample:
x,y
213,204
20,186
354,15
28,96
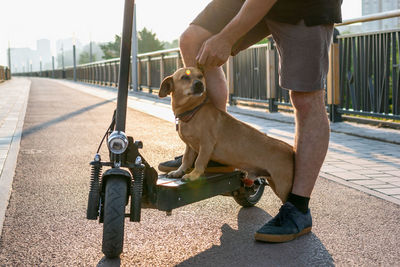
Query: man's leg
x,y
304,62
311,139
190,43
311,144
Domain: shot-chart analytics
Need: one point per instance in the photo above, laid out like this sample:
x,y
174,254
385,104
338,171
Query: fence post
x,y
74,60
9,58
139,74
115,75
103,73
52,67
271,86
109,74
179,61
96,74
149,74
117,67
93,74
162,69
40,68
333,87
230,72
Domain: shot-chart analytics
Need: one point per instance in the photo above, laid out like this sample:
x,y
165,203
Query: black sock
x,y
301,203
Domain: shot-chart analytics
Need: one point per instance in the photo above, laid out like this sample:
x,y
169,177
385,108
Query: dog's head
x,y
186,85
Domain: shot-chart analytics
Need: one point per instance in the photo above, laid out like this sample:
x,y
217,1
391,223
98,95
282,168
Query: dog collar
x,y
188,115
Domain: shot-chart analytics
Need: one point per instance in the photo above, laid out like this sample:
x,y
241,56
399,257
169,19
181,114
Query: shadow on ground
x,y
238,248
62,118
106,262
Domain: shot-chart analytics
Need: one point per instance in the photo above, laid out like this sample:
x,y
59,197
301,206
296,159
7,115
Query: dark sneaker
x,y
170,165
287,225
212,166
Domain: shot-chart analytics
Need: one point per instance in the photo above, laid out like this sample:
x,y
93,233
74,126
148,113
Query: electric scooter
x,y
131,181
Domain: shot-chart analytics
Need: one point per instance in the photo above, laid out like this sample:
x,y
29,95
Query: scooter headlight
x,y
117,142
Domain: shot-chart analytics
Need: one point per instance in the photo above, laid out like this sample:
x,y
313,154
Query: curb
x,y
359,187
8,171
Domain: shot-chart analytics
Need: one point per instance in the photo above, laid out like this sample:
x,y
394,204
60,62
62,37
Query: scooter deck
x,y
174,193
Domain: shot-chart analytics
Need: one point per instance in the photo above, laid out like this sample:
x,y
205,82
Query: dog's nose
x,y
197,87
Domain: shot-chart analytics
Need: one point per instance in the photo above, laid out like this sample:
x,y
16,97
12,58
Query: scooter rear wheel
x,y
114,216
249,196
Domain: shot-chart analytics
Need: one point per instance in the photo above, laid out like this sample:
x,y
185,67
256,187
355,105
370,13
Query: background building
x,y
377,6
27,59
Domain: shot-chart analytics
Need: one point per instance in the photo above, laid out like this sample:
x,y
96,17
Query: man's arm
x,y
216,50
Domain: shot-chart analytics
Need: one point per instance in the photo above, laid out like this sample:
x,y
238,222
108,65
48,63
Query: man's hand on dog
x,y
214,52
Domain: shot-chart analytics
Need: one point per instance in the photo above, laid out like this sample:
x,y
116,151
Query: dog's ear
x,y
166,87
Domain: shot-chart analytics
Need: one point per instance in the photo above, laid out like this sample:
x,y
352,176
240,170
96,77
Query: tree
x,y
170,45
68,61
263,41
148,42
84,57
111,49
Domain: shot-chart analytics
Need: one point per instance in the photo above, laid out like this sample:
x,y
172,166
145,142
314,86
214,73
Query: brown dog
x,y
210,133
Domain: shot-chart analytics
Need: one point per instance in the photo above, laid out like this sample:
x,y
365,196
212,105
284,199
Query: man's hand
x,y
214,52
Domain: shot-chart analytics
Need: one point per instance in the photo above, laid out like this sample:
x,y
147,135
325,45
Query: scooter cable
x,y
109,130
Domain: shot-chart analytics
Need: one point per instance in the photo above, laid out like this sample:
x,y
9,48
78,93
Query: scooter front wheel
x,y
114,216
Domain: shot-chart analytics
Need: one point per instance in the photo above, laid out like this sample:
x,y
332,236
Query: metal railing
x,y
255,78
369,74
5,73
364,72
152,68
363,76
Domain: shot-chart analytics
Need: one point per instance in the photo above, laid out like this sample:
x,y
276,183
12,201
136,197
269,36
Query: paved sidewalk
x,y
356,157
13,101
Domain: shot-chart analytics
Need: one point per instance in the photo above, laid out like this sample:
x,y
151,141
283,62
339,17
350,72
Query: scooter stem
x,y
125,58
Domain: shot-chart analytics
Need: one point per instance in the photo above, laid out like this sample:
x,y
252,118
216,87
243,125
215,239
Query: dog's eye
x,y
185,77
200,77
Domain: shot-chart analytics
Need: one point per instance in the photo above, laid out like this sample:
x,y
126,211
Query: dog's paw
x,y
193,176
175,174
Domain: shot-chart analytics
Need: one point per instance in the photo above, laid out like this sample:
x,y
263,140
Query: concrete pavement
x,y
363,157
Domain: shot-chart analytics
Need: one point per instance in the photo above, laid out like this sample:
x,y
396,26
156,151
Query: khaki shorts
x,y
303,51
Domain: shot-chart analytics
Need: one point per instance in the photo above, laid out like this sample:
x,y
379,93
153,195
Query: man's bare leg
x,y
190,43
311,139
311,143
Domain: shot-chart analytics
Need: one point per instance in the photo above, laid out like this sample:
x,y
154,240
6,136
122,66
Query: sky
x,y
25,21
